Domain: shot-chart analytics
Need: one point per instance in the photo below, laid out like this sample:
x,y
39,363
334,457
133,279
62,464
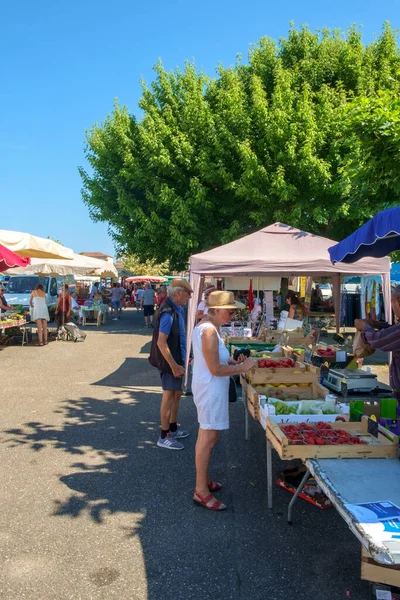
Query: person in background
x,y
4,306
40,313
382,336
139,296
115,300
76,310
95,290
212,368
161,296
168,354
297,310
122,294
63,310
148,300
202,309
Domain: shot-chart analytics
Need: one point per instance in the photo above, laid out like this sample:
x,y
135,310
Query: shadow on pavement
x,y
190,553
132,372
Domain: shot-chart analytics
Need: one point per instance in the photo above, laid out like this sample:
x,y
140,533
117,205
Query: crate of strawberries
x,y
282,370
330,440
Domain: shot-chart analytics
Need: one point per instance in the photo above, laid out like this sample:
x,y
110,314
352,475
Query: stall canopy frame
x,y
282,251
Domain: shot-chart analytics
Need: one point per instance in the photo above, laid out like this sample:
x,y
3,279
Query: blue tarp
x,y
377,238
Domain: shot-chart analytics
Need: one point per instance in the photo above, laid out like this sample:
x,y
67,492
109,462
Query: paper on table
x,y
380,520
374,512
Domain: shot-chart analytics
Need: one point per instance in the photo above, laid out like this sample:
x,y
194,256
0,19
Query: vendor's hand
x,y
360,324
374,323
178,371
248,364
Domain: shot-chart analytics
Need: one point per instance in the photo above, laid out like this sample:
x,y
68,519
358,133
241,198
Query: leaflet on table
x,y
380,520
373,512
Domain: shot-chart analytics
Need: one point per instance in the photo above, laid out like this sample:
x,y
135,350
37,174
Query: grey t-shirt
x,y
149,297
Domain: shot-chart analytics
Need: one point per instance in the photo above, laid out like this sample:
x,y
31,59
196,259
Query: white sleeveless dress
x,y
210,393
40,310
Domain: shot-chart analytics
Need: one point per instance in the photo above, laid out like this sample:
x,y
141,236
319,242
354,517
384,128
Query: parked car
x,y
19,289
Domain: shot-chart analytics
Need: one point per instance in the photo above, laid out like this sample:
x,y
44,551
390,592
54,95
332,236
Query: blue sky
x,y
63,63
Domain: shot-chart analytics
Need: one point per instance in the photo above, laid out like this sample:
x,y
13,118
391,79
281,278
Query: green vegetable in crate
x,y
282,408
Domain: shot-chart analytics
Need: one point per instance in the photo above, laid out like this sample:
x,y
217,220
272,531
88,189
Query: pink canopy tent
x,y
281,251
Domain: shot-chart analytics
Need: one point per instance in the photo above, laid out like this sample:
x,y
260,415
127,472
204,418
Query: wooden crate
x,y
254,409
263,353
378,573
384,446
291,338
288,351
301,373
315,391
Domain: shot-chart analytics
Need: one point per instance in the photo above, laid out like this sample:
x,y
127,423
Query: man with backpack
x,y
168,354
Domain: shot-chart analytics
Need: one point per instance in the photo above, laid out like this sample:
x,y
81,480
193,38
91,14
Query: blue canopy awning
x,y
377,238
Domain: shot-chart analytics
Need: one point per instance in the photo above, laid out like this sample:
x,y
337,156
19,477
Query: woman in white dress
x,y
212,368
40,313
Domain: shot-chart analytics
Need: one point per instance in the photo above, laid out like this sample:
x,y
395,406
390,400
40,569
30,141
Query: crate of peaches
x,y
331,440
282,371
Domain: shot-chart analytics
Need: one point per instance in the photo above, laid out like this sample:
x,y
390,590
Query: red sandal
x,y
208,502
214,486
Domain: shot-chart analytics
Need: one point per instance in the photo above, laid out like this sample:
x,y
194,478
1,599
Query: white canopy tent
x,y
79,266
283,251
26,244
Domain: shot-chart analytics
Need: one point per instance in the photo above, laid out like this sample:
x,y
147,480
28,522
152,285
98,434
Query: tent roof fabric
x,y
276,250
78,266
32,246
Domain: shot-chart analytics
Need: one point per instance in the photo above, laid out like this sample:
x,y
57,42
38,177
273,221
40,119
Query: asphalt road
x,y
92,509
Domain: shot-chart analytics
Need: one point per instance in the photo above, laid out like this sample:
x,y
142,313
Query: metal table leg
x,y
246,421
269,474
298,491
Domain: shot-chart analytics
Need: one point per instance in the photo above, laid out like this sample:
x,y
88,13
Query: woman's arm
x,y
209,344
31,300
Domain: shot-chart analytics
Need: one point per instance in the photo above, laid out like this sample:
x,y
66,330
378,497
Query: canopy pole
x,y
336,299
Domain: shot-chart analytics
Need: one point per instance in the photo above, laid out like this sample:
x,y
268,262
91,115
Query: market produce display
x,y
320,434
337,439
283,363
328,352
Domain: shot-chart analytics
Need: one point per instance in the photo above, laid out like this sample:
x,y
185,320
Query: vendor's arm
x,y
209,344
162,342
387,339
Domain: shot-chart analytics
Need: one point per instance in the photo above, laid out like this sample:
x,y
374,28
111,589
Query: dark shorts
x,y
148,310
169,382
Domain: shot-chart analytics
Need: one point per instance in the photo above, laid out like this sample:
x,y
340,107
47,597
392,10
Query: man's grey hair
x,y
172,289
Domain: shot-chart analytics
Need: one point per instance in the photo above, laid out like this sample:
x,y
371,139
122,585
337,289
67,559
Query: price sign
x,y
308,353
373,428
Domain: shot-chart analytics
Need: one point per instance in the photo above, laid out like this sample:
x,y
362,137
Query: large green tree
x,y
290,136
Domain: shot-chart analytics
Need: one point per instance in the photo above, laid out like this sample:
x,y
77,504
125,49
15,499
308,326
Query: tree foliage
x,y
132,263
300,133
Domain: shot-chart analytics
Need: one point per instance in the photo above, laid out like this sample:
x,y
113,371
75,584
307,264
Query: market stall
x,y
282,251
78,266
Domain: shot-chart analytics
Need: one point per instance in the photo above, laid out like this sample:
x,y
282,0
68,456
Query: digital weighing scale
x,y
356,381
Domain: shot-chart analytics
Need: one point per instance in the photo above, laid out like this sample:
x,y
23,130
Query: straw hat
x,y
222,300
182,283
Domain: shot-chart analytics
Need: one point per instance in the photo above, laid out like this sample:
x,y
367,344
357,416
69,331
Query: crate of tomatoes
x,y
330,440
